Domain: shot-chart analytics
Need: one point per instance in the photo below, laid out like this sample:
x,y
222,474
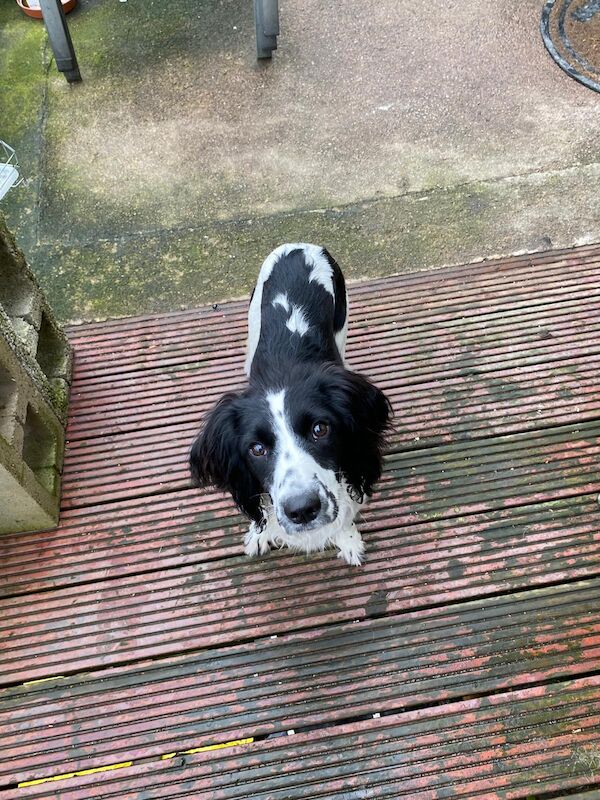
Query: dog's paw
x,y
256,541
252,540
352,548
355,558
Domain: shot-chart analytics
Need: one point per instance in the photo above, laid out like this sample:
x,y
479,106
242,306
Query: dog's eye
x,y
319,430
257,449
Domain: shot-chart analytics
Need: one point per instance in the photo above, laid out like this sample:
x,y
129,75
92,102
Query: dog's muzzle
x,y
307,509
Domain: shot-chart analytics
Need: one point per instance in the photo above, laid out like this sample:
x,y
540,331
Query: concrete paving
x,y
403,134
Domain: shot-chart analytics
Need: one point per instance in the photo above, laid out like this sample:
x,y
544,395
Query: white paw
x,y
352,547
251,540
256,541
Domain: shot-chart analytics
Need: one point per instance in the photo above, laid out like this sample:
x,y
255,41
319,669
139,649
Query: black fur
x,y
358,412
317,387
362,413
279,348
217,458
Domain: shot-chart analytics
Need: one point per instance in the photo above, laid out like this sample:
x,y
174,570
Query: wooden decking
x,y
463,660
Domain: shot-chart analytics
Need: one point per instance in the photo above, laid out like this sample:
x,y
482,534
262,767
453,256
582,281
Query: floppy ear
x,y
365,414
216,459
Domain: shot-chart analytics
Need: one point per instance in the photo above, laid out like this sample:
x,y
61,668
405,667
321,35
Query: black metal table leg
x,y
60,39
266,17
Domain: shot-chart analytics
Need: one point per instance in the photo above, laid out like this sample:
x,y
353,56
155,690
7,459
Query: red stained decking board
x,y
301,680
138,630
502,746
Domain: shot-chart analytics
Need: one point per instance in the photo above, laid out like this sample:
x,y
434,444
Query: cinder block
x,y
8,404
20,297
35,376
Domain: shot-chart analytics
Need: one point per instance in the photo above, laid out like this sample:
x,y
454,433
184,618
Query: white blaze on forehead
x,y
297,322
289,456
281,300
295,469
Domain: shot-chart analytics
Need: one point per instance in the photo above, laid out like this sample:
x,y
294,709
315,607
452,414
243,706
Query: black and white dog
x,y
300,449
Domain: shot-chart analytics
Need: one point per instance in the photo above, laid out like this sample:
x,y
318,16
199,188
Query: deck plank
x,y
473,629
185,394
295,681
210,604
495,747
156,466
101,543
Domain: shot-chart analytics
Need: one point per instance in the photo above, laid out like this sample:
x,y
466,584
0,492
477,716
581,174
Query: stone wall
x,y
35,375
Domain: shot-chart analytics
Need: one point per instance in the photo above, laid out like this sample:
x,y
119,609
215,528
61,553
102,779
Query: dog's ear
x,y
364,413
216,458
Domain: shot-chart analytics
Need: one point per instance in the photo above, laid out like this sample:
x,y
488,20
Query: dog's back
x,y
298,309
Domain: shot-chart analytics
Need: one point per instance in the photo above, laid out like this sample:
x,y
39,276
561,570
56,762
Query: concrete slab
x,y
178,269
412,133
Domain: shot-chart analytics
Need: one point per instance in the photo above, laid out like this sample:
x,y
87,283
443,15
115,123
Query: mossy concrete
x,y
402,135
22,107
169,270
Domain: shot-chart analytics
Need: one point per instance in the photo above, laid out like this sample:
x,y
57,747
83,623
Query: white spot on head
x,y
281,300
297,322
295,470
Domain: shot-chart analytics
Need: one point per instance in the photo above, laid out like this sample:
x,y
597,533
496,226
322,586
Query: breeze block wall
x,y
35,376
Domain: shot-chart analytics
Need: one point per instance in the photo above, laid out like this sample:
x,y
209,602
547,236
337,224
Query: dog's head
x,y
307,443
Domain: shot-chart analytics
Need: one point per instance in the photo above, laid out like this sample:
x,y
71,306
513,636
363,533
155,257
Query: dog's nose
x,y
303,508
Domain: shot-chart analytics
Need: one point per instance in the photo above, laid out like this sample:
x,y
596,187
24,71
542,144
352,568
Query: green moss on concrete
x,y
177,135
178,269
120,42
21,46
22,78
176,125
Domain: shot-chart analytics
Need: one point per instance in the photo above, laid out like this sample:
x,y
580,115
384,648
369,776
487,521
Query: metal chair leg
x,y
60,39
266,17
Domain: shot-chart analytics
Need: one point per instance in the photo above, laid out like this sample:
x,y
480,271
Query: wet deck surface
x,y
461,661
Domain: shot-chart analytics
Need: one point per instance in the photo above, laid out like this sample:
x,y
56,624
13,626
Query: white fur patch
x,y
341,336
297,322
322,273
281,300
341,533
258,539
296,471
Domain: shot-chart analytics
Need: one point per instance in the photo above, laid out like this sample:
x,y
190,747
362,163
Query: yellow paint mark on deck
x,y
123,764
77,774
43,680
206,749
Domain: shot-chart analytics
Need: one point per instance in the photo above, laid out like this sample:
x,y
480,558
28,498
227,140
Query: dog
x,y
302,447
